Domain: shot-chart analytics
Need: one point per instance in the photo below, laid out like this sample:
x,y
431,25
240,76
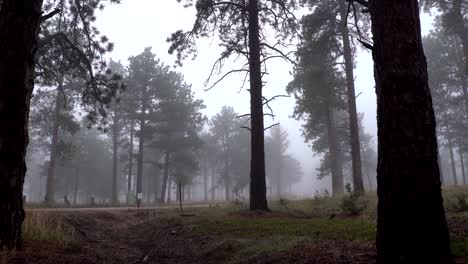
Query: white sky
x,y
134,25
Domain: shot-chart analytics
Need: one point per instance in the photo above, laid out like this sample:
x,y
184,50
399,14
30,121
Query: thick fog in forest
x,y
132,30
234,131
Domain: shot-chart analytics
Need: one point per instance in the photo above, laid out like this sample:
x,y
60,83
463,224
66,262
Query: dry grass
x,y
40,226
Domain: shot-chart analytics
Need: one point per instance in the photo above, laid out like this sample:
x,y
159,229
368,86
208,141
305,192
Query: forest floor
x,y
308,231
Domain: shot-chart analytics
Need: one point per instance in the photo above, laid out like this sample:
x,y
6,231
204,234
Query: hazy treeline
x,y
154,141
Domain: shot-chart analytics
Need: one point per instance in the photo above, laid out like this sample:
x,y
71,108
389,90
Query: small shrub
x,y
459,202
352,204
40,226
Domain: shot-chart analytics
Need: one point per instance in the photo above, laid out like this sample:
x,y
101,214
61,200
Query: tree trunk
x,y
462,32
169,191
205,182
165,178
335,157
141,141
213,174
19,28
452,159
50,186
115,150
258,199
179,185
227,180
358,185
462,163
130,161
77,182
411,223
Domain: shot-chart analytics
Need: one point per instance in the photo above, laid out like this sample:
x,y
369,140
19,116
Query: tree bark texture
x,y
258,200
115,152
452,161
358,184
411,223
19,28
335,157
50,184
130,161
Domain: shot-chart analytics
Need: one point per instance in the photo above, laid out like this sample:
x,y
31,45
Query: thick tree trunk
x,y
452,160
462,163
358,184
258,200
411,223
130,161
165,178
19,27
115,150
50,184
335,157
141,141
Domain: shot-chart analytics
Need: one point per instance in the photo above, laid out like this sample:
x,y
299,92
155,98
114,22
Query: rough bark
x,y
258,199
358,185
19,28
50,184
411,223
335,157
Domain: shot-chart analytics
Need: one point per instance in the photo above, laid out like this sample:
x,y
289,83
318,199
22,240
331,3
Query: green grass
x,y
238,227
39,226
459,246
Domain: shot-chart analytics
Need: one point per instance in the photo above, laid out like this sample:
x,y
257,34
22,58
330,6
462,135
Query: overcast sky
x,y
134,25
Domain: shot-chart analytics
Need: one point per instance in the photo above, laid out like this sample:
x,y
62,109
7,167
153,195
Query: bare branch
x,y
50,15
224,76
268,127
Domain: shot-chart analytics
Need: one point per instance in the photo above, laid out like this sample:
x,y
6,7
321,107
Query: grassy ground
x,y
321,230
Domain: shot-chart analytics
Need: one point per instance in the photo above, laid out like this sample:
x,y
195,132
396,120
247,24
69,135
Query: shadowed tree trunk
x,y
213,173
130,161
411,223
76,185
227,179
115,150
462,163
452,161
165,178
19,27
462,32
205,182
141,141
358,184
335,157
258,199
50,185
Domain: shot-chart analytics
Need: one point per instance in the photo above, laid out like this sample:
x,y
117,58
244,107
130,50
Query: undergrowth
x,y
40,226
